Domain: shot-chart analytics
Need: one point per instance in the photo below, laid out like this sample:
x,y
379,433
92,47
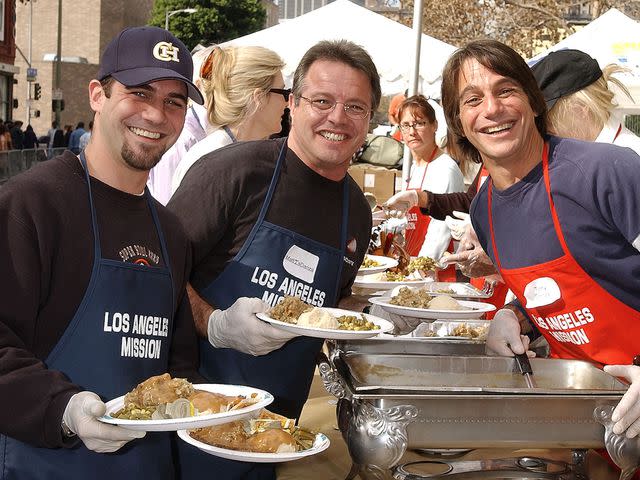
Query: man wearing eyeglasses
x,y
274,218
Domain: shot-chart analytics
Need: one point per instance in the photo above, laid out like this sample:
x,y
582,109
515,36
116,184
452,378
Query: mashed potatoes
x,y
317,318
445,302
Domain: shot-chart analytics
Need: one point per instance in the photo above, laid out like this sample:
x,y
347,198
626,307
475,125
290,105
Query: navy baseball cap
x,y
564,72
141,55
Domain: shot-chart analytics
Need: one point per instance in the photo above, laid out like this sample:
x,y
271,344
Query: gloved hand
x,y
238,327
401,202
626,415
470,257
402,324
456,226
504,338
80,416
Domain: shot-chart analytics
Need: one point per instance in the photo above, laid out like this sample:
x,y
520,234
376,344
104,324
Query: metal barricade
x,y
13,162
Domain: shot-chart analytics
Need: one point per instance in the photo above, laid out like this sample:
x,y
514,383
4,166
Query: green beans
x,y
351,322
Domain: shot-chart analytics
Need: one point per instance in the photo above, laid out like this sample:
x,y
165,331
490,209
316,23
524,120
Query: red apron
x,y
586,322
500,289
417,226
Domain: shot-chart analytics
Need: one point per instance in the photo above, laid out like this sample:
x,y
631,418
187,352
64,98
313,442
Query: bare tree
x,y
525,25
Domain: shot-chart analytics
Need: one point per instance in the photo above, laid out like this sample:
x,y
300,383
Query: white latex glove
x,y
626,415
457,225
238,327
504,338
470,257
80,416
402,324
402,201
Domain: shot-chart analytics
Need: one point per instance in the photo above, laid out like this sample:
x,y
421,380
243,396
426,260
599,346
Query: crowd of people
x,y
176,201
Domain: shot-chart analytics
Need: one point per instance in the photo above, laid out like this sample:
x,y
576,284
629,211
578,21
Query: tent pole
x,y
413,79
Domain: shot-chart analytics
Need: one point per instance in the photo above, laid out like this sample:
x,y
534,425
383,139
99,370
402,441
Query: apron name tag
x,y
541,292
301,263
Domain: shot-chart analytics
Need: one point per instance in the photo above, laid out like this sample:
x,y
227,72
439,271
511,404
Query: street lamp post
x,y
170,13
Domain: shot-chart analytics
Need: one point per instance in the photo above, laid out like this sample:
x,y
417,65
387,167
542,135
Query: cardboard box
x,y
381,182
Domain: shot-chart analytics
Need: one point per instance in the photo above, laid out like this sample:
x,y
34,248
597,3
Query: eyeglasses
x,y
405,127
285,92
325,106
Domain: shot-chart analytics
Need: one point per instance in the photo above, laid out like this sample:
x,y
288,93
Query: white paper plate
x,y
172,424
320,443
365,281
385,263
455,290
330,333
477,309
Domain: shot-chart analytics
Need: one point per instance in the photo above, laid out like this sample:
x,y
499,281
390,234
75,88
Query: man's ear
x,y
96,95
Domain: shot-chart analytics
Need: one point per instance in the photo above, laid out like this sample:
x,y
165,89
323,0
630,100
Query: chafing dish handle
x,y
332,375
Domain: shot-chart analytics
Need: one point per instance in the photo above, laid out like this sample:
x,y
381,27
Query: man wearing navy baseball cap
x,y
94,299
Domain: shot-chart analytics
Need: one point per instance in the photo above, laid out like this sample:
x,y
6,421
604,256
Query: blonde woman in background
x,y
196,127
580,100
245,98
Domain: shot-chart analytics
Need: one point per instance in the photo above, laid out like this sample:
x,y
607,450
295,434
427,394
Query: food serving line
x,y
433,391
442,395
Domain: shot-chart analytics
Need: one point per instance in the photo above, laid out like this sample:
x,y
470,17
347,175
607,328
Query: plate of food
x,y
266,439
162,404
296,316
467,330
419,303
455,290
418,271
376,264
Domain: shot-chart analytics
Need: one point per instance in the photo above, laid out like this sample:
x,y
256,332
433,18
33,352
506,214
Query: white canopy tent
x,y
613,37
389,43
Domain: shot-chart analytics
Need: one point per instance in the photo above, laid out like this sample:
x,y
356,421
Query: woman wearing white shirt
x,y
245,97
432,170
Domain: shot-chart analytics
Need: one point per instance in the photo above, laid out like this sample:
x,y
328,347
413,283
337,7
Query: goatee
x,y
144,160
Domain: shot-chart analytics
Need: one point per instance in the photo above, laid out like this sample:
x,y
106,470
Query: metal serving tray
x,y
472,402
433,374
456,330
389,344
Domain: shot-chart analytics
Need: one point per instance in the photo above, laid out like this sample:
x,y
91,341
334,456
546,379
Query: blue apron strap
x,y
163,243
267,201
343,234
195,115
230,133
97,251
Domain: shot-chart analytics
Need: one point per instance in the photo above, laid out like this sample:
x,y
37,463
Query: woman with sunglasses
x,y
432,170
245,98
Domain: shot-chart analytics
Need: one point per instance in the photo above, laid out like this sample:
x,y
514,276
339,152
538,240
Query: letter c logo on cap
x,y
166,52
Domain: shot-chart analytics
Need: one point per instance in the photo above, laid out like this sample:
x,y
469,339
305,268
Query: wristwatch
x,y
66,431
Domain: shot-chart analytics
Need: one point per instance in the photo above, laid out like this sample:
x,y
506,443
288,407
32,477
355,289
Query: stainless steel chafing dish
x,y
389,402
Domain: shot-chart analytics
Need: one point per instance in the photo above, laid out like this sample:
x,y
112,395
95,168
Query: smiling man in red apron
x,y
281,217
94,275
557,217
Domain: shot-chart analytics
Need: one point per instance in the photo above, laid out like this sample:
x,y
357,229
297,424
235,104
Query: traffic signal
x,y
37,91
36,113
55,103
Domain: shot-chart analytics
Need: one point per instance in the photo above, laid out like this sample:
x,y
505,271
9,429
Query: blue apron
x,y
103,351
273,262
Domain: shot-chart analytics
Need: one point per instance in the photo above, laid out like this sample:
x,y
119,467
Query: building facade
x,y
294,8
86,28
8,71
272,11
